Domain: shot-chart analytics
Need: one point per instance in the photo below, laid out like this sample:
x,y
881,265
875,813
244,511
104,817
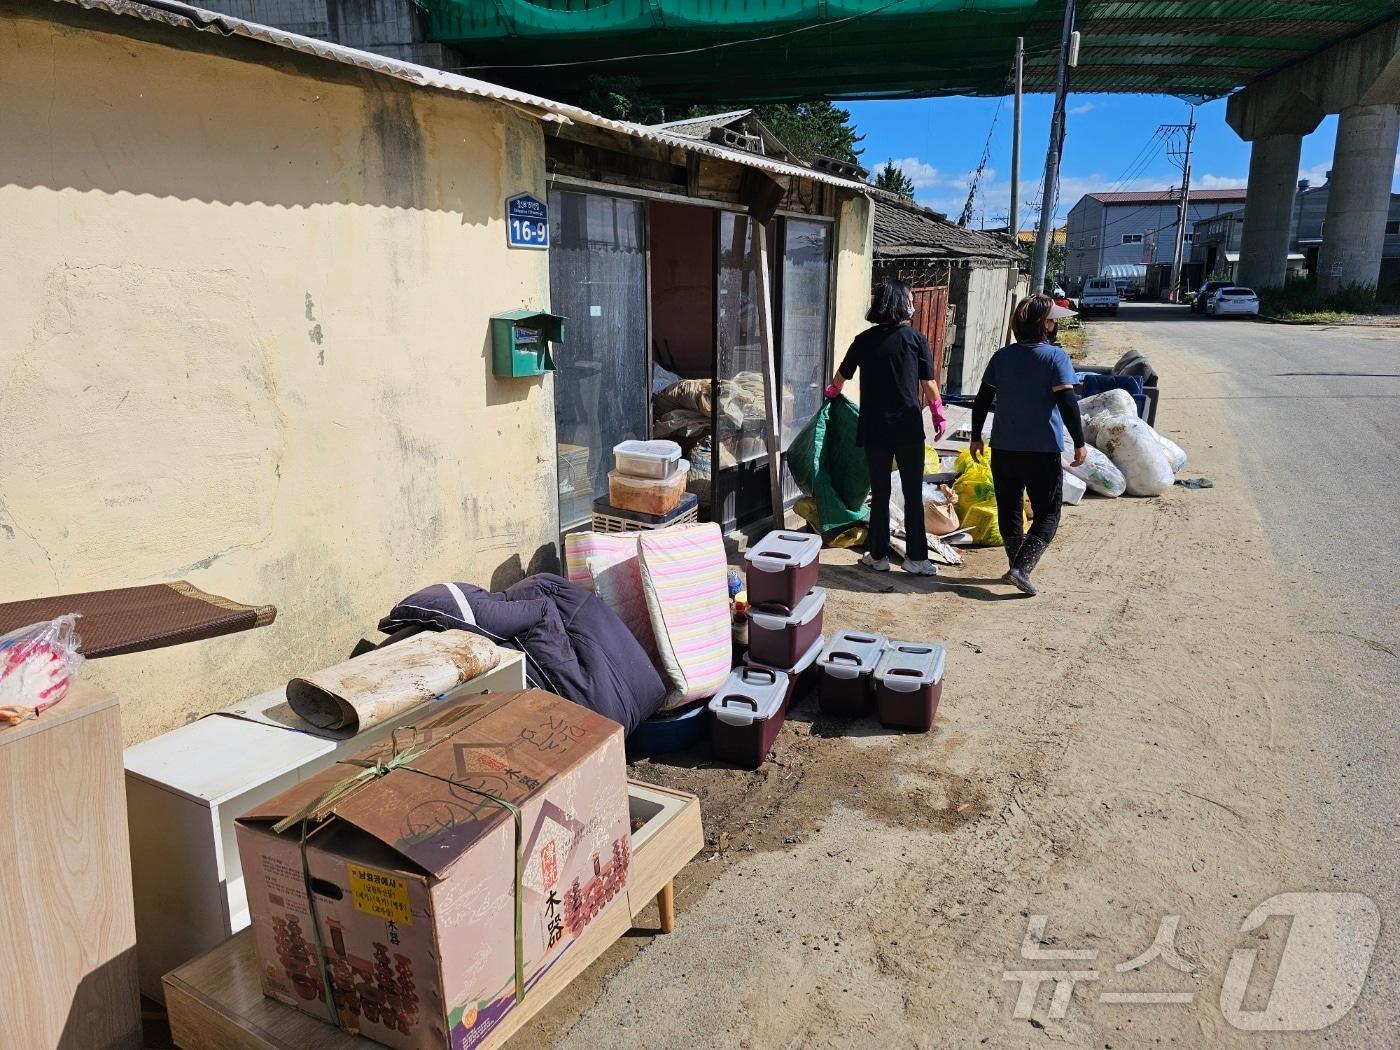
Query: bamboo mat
x,y
135,619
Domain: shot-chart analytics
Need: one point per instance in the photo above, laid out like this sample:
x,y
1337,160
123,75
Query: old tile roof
x,y
904,230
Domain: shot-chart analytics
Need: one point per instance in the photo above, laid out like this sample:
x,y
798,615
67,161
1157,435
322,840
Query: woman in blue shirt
x,y
1032,385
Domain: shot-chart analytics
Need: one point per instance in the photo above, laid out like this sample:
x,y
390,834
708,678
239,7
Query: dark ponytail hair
x,y
892,303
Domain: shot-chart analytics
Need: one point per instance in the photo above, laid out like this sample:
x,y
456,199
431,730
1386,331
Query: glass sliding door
x,y
598,282
805,289
806,314
741,431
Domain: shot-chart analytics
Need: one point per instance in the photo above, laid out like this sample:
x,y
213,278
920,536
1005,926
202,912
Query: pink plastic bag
x,y
38,663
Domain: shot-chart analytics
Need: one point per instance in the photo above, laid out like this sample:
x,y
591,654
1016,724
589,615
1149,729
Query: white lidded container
x,y
848,664
647,459
779,638
909,684
782,567
746,714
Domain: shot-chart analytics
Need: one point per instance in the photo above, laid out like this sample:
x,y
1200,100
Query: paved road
x,y
1316,412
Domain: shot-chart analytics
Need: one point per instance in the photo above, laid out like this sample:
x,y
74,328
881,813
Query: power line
x,y
976,179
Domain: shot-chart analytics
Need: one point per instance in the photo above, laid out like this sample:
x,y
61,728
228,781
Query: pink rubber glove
x,y
940,421
832,390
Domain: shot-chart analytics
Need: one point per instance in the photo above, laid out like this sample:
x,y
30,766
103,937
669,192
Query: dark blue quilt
x,y
574,645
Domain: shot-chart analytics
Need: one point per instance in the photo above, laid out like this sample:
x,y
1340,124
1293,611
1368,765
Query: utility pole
x,y
1046,230
1014,220
1183,208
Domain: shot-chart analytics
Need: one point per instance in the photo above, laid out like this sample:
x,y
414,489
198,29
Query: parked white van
x,y
1100,293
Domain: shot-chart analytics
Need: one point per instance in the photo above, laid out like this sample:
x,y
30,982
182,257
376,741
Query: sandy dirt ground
x,y
1108,755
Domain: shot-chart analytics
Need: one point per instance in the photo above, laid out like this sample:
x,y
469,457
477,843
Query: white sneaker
x,y
921,568
878,564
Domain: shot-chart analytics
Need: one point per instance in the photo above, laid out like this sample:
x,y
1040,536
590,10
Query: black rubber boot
x,y
1028,555
1013,547
1026,558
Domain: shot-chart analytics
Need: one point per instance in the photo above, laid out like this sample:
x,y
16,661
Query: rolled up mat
x,y
373,688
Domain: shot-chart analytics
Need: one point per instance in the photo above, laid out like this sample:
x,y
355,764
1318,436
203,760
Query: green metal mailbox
x,y
520,342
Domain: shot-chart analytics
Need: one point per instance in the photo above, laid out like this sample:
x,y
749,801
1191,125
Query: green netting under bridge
x,y
785,50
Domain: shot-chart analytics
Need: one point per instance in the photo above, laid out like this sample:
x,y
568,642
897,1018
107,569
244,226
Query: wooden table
x,y
67,936
216,1001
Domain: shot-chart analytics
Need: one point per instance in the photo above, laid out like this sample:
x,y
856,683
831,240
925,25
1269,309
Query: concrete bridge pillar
x,y
1268,210
1363,164
1360,79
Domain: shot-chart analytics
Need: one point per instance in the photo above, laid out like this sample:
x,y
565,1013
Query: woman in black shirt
x,y
896,385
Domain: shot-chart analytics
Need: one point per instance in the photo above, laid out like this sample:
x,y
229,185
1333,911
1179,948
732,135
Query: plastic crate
x,y
607,518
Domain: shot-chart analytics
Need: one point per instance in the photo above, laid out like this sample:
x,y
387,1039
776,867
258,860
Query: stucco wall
x,y
982,297
244,343
855,219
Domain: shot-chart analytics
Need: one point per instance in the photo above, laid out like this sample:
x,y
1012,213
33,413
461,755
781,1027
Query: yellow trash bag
x,y
977,500
851,536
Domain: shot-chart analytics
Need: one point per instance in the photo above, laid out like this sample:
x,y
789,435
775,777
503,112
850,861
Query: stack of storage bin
x,y
649,477
786,608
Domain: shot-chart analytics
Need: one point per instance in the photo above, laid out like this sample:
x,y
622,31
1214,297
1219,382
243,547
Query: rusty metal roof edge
x,y
187,16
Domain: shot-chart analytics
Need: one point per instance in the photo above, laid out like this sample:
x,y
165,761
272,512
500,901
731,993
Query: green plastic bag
x,y
829,466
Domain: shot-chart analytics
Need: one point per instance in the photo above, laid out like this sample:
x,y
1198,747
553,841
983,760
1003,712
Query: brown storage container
x,y
847,667
908,685
779,638
746,714
802,676
782,568
648,495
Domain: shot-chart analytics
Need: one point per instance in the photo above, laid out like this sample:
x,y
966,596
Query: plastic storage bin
x,y
746,714
648,495
908,685
782,568
802,676
779,638
647,459
847,667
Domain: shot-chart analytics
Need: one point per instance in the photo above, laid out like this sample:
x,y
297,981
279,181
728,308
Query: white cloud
x,y
1218,182
922,175
1080,110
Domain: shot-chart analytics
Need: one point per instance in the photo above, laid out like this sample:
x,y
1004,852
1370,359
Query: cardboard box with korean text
x,y
404,863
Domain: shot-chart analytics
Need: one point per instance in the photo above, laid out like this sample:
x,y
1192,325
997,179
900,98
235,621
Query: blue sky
x,y
939,142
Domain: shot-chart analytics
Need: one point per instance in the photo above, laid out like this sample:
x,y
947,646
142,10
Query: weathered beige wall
x,y
243,343
855,219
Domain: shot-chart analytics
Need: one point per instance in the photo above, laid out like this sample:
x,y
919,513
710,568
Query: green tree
x,y
808,129
812,128
892,178
622,98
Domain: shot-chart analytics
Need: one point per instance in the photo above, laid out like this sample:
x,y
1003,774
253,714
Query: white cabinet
x,y
185,789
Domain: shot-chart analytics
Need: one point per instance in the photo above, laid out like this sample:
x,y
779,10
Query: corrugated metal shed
x,y
186,16
904,230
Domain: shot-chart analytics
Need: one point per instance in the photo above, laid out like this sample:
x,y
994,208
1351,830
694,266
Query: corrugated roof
x,y
700,126
186,16
1225,196
904,230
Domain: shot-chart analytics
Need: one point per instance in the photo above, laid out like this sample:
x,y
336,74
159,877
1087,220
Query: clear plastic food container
x,y
648,495
647,459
